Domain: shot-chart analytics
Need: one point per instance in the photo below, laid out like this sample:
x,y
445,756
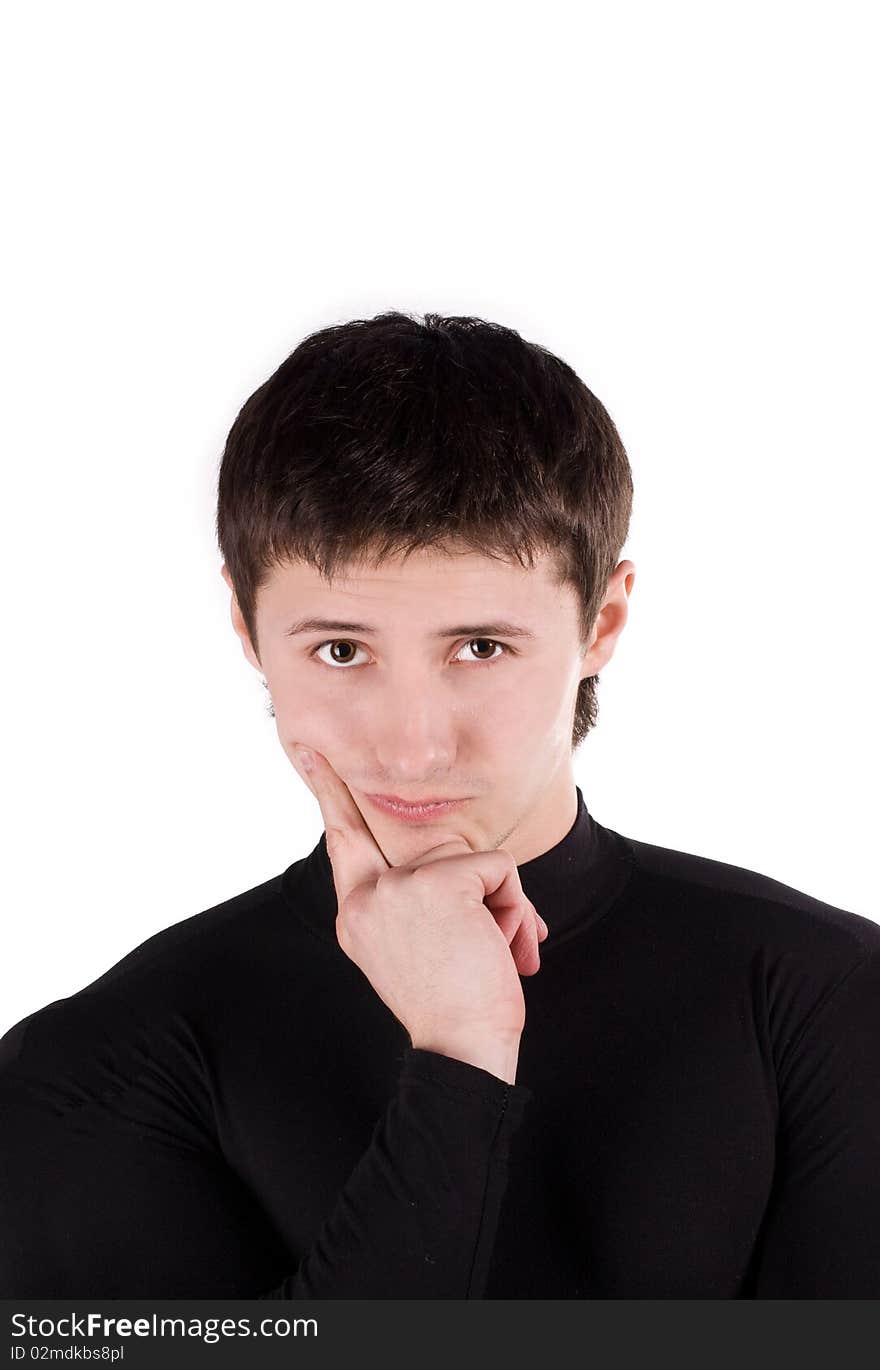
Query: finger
x,y
524,947
520,927
355,856
518,919
506,901
450,844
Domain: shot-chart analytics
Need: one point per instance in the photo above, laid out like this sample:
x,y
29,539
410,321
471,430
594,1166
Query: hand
x,y
442,939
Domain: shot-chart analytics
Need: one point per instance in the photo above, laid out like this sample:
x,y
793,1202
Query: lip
x,y
426,812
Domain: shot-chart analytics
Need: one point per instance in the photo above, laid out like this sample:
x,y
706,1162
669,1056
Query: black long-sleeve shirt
x,y
232,1111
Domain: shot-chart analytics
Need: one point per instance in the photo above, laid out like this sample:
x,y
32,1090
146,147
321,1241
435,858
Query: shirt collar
x,y
572,885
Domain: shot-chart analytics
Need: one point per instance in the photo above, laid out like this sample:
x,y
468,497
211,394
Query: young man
x,y
377,1074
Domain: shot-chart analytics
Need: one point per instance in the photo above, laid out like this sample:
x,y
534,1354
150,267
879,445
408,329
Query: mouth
x,y
425,812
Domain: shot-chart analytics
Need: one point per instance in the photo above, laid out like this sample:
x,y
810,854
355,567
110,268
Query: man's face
x,y
401,705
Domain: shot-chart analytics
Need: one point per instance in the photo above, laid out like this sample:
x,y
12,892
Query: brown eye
x,y
484,643
349,650
343,652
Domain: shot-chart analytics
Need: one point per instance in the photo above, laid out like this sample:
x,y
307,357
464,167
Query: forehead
x,y
429,583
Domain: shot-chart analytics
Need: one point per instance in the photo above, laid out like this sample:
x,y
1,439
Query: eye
x,y
492,643
333,642
353,648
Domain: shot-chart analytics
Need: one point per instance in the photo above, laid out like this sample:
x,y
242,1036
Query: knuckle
x,y
335,838
510,860
426,875
342,933
352,903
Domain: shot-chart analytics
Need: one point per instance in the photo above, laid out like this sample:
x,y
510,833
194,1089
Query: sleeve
x,y
97,1201
419,1214
820,1238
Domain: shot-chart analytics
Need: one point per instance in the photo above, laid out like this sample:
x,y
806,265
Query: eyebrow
x,y
499,628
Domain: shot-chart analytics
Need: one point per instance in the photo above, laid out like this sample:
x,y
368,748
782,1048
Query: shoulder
x,y
748,905
166,984
752,937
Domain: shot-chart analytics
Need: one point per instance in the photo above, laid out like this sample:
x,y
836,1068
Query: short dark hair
x,y
380,436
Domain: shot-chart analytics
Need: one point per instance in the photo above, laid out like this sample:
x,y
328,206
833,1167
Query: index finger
x,y
355,856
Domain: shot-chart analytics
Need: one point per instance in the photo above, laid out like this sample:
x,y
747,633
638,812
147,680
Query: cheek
x,y
313,720
539,694
542,713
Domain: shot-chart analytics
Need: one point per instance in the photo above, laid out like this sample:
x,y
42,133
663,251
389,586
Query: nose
x,y
412,735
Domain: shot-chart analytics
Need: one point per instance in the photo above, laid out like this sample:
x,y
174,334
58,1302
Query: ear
x,y
239,624
610,621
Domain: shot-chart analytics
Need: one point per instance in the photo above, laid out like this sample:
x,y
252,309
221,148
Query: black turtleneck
x,y
232,1111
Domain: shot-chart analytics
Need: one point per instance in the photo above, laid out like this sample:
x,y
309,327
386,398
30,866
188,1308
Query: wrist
x,y
497,1055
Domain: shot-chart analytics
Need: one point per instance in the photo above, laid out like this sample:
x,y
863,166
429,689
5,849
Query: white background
x,y
679,199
